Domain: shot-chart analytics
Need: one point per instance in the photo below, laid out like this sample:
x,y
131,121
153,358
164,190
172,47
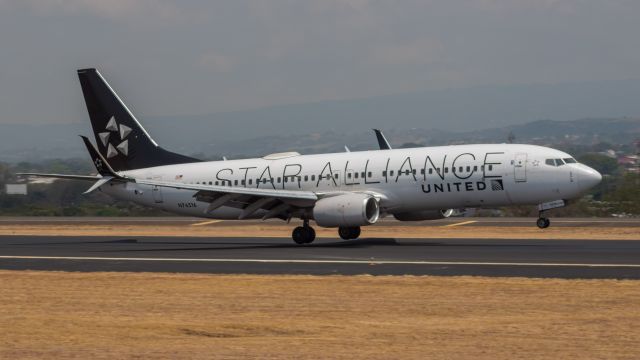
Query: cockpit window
x,y
559,162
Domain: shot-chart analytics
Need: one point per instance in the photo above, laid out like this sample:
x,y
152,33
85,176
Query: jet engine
x,y
424,215
346,210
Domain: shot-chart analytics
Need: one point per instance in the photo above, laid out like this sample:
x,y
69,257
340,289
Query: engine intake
x,y
424,215
346,210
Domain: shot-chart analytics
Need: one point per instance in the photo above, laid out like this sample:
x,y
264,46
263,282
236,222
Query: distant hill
x,y
481,114
58,143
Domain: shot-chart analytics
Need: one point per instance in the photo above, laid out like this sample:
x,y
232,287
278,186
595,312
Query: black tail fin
x,y
120,137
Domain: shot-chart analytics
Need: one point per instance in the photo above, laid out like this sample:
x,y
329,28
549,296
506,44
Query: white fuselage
x,y
405,180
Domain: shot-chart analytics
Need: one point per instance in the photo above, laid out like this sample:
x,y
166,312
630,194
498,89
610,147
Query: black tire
x,y
310,235
344,233
298,235
349,233
543,223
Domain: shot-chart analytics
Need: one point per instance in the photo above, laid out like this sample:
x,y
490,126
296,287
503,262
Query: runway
x,y
456,221
375,256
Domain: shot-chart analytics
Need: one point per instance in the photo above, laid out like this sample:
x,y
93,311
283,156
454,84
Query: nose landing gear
x,y
543,222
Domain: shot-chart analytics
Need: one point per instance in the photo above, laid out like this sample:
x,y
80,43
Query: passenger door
x,y
520,167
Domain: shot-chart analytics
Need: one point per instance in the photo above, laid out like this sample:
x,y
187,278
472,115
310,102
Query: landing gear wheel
x,y
349,233
310,234
543,223
303,235
298,235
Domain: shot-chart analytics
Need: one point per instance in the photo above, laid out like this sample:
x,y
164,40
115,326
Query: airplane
x,y
345,190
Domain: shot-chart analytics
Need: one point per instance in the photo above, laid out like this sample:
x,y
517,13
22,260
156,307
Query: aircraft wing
x,y
277,203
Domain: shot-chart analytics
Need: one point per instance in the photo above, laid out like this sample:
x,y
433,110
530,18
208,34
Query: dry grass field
x,y
280,229
47,315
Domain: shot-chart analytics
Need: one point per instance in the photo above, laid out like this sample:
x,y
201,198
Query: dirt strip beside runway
x,y
228,229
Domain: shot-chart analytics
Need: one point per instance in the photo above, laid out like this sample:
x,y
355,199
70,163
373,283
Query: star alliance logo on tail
x,y
123,131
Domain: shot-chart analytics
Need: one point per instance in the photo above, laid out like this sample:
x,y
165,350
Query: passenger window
x,y
349,175
235,182
242,182
446,170
217,183
356,175
490,167
250,181
391,173
210,183
369,173
362,175
336,176
468,168
421,171
306,178
430,171
475,168
384,173
286,179
461,169
406,172
313,178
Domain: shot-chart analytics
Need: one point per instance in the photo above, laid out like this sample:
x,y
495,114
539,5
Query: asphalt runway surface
x,y
376,256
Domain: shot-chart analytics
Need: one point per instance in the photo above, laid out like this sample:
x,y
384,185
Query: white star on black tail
x,y
123,131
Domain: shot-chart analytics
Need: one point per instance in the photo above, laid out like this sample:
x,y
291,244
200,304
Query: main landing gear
x,y
304,234
349,233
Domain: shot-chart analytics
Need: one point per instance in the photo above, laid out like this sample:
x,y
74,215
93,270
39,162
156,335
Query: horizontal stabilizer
x,y
62,176
98,183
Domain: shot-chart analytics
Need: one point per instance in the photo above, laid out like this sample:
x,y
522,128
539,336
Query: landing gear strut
x,y
542,221
304,234
349,233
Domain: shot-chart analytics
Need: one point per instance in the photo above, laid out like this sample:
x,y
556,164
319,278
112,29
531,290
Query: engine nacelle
x,y
346,210
424,215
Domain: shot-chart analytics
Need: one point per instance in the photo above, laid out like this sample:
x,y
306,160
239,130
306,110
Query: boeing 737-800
x,y
340,190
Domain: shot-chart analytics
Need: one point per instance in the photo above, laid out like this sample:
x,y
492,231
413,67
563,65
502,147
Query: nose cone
x,y
588,178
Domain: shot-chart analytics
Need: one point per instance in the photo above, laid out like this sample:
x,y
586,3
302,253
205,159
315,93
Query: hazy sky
x,y
194,57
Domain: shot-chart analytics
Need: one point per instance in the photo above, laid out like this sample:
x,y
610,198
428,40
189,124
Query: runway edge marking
x,y
301,261
461,223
